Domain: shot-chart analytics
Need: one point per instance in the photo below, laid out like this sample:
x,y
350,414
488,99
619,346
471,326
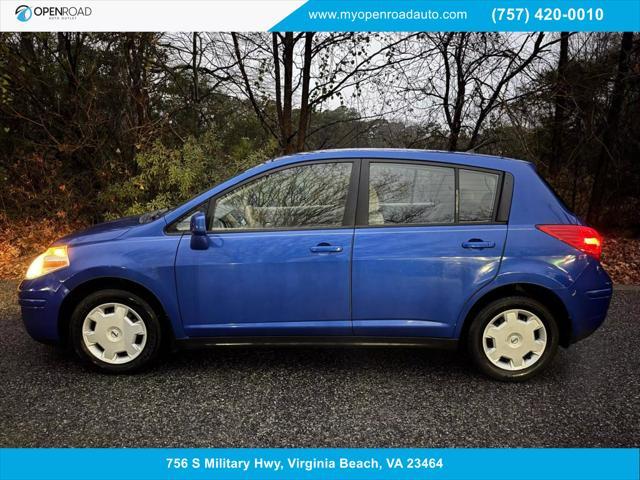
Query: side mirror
x,y
199,239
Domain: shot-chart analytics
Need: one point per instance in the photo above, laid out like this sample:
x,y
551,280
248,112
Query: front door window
x,y
299,197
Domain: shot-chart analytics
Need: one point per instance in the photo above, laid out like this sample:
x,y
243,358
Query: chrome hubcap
x,y
114,333
514,339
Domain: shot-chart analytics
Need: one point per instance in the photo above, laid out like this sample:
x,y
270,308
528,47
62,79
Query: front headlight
x,y
53,259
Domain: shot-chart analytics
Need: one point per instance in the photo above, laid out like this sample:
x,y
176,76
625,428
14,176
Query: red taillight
x,y
585,239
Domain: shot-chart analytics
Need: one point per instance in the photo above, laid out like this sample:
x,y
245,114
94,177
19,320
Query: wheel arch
x,y
534,291
88,287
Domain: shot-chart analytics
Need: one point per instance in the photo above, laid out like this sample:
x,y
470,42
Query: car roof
x,y
458,158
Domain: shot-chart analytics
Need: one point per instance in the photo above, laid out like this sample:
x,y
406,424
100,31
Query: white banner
x,y
143,15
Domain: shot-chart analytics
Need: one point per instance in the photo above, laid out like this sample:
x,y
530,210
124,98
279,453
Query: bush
x,y
169,176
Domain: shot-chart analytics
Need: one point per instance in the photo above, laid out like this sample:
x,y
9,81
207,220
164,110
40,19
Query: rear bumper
x,y
595,305
588,300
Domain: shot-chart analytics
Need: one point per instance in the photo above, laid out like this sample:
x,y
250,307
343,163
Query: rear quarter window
x,y
477,195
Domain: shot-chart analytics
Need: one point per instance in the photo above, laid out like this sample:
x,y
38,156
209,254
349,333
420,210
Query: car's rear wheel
x,y
513,338
115,331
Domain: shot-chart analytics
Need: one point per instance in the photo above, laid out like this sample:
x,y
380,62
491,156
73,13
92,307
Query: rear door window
x,y
405,194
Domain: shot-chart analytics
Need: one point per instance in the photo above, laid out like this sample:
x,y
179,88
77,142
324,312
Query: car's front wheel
x,y
115,331
513,338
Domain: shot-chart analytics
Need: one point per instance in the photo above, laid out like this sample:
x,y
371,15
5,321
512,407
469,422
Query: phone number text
x,y
548,14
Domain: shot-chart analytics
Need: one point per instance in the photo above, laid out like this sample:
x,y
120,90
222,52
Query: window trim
x,y
357,207
504,205
169,228
348,219
501,207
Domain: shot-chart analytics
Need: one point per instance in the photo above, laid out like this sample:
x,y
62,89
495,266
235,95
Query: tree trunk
x,y
287,94
456,124
303,122
561,107
610,130
196,96
278,85
264,121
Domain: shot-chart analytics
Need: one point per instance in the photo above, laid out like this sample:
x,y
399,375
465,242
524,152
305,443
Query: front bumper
x,y
40,301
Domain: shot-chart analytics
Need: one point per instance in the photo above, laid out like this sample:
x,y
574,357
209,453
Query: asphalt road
x,y
321,397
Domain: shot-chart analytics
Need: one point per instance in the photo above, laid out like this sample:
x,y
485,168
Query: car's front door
x,y
426,241
278,256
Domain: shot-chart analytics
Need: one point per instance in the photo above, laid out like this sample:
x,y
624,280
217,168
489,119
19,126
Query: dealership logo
x,y
24,13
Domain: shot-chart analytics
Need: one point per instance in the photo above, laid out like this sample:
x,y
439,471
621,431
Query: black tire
x,y
152,345
488,313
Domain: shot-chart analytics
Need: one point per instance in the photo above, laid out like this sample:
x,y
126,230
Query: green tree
x,y
170,175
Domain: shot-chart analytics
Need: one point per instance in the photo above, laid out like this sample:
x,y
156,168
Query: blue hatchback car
x,y
363,247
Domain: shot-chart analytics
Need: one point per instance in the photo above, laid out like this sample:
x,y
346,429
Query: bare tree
x,y
288,76
609,136
465,78
198,55
561,106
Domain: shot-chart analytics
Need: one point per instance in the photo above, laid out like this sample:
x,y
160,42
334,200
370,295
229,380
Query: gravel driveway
x,y
322,397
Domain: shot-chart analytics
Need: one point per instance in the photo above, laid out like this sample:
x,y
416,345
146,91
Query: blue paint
x,y
389,281
322,463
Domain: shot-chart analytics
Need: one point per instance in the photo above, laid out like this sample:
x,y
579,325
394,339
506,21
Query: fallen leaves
x,y
621,259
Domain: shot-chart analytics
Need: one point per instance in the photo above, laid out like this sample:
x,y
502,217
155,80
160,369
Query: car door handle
x,y
326,248
476,243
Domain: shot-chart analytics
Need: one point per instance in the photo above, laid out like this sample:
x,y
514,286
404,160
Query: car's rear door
x,y
427,237
278,256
